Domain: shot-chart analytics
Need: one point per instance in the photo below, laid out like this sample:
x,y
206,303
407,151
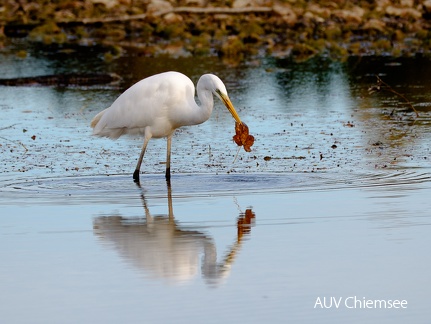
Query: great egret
x,y
159,104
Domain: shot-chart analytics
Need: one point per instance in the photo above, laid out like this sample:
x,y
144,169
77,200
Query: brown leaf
x,y
242,136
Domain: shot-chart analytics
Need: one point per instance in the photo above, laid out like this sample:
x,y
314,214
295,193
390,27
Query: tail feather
x,y
96,119
100,127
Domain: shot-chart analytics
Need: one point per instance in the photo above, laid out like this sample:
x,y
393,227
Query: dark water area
x,y
330,208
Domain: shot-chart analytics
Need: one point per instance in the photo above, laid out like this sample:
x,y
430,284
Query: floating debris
x,y
63,80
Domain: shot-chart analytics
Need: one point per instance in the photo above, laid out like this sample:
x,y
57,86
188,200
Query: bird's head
x,y
217,87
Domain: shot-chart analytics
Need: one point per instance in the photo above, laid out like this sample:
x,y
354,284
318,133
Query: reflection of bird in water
x,y
163,249
156,106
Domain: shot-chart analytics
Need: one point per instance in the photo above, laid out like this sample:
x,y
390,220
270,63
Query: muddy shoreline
x,y
236,30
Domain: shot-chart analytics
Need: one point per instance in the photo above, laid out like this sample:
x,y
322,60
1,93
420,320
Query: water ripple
x,y
99,188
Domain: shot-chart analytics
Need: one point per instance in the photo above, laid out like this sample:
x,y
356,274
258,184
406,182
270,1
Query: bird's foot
x,y
136,176
168,175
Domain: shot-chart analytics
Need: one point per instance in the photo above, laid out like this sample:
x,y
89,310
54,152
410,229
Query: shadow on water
x,y
163,248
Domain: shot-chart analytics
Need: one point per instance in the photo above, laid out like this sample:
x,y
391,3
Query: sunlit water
x,y
332,202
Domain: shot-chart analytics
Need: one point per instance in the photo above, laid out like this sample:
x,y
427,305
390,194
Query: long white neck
x,y
200,113
207,101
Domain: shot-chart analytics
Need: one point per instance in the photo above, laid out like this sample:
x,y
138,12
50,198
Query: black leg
x,y
168,159
138,166
168,174
136,176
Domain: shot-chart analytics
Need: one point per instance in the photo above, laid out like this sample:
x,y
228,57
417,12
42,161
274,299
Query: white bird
x,y
159,104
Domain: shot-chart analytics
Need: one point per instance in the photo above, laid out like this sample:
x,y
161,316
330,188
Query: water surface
x,y
331,202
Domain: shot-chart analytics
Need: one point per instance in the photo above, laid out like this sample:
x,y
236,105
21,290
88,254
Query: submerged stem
x,y
382,85
20,143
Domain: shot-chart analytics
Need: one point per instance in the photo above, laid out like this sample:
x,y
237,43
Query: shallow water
x,y
331,202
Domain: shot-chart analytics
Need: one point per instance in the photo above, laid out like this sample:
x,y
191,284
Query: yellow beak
x,y
230,107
